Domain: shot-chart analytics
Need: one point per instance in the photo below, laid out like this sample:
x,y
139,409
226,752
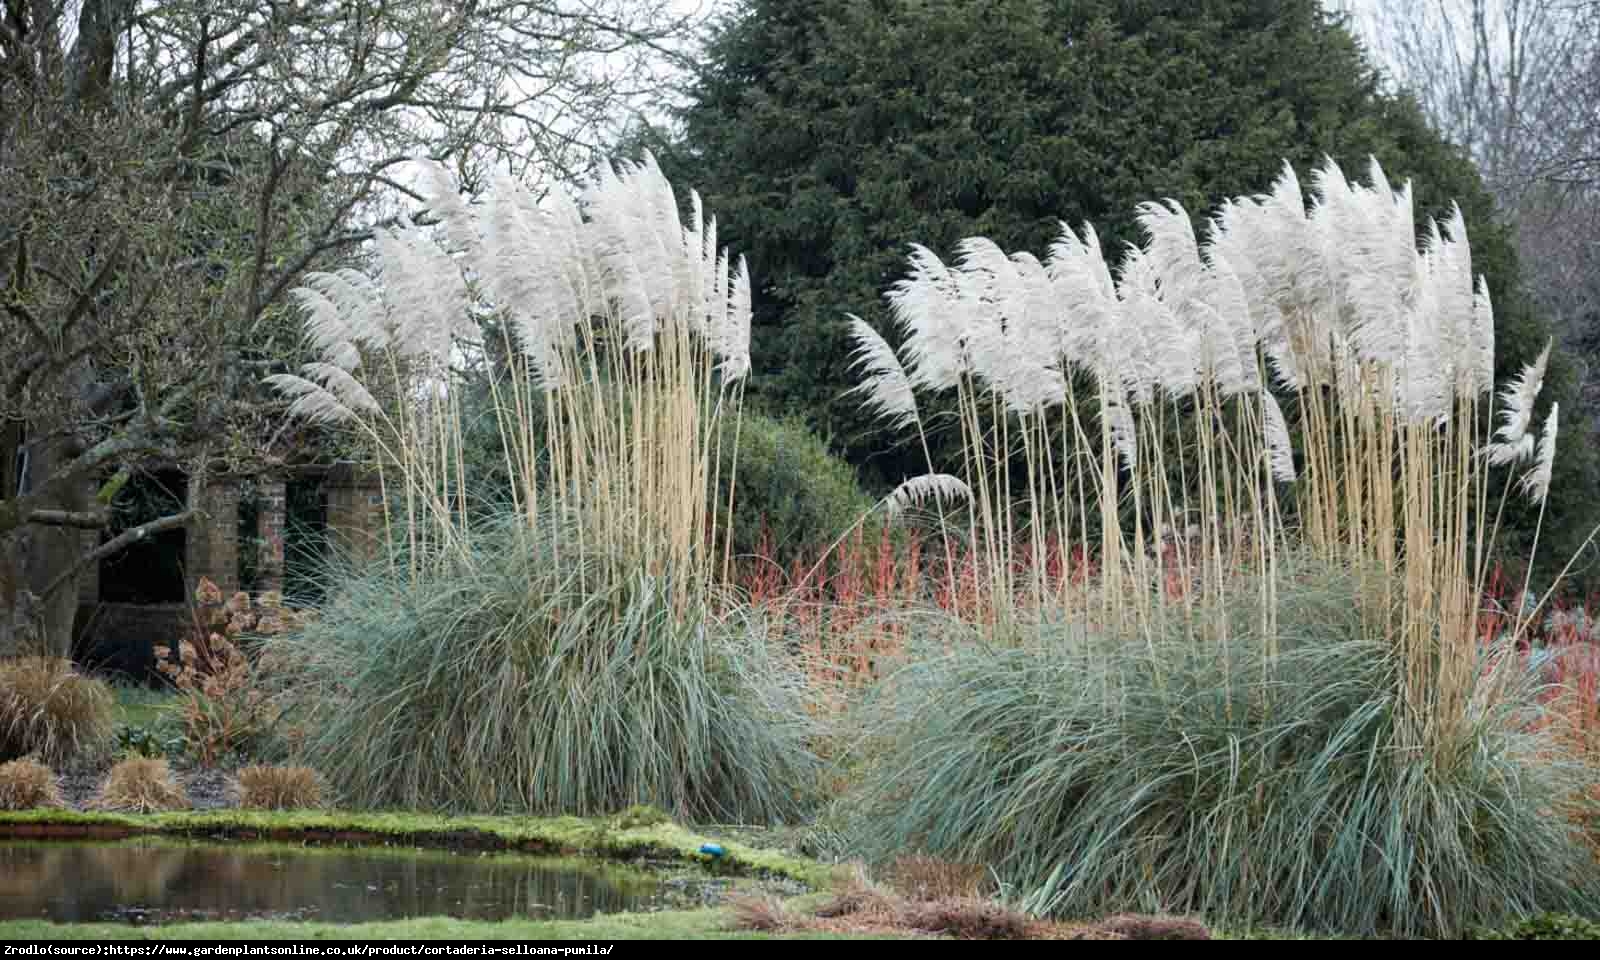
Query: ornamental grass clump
x,y
141,785
50,710
1304,391
1278,784
572,656
274,787
27,784
505,682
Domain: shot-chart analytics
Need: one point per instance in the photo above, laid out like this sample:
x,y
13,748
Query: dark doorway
x,y
305,540
150,571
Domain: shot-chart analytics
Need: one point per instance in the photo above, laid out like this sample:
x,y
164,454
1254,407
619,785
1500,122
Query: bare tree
x,y
170,168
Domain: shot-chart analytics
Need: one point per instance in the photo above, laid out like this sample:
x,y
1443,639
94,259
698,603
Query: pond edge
x,y
614,839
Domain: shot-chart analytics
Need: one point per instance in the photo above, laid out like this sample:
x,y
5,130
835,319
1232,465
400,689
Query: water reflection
x,y
157,880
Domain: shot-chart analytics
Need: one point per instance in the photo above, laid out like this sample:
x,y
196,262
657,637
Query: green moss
x,y
558,835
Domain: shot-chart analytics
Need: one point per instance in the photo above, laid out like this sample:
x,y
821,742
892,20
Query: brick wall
x,y
213,544
355,512
270,518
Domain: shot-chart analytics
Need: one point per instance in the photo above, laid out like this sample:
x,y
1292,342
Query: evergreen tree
x,y
830,134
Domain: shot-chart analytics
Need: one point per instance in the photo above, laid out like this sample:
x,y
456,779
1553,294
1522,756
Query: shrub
x,y
50,710
1097,775
501,682
264,787
223,706
28,784
791,497
141,785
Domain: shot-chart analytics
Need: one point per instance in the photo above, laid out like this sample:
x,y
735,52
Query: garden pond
x,y
159,880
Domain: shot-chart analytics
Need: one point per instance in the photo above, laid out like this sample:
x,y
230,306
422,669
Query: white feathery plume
x,y
1172,249
1123,432
343,355
1519,396
942,487
927,307
1370,234
622,235
1086,297
313,402
1280,451
444,199
985,277
327,393
886,387
343,385
711,287
1500,454
1452,262
1241,236
534,263
1143,344
666,230
341,306
734,338
1029,310
1424,375
1536,482
424,292
1482,366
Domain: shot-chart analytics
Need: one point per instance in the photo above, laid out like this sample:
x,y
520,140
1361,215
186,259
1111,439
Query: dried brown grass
x,y
264,787
27,784
921,877
52,712
861,907
141,785
765,914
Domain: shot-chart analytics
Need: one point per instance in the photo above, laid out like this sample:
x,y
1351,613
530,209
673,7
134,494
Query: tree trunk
x,y
32,557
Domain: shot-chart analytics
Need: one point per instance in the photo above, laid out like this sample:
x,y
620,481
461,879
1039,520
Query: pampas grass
x,y
619,344
27,784
509,683
1273,782
1298,375
50,710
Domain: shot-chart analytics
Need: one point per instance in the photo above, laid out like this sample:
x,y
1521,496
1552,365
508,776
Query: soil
x,y
208,789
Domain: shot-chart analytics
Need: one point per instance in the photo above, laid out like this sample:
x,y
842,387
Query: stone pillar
x,y
212,548
271,515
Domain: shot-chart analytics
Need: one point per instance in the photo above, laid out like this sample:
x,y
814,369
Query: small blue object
x,y
711,849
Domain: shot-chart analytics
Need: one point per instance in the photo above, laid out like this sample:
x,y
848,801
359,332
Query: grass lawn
x,y
142,706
